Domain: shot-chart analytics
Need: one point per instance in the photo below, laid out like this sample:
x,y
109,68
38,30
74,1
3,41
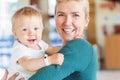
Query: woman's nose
x,y
68,20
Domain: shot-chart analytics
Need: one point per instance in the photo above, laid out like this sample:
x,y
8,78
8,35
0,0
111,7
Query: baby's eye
x,y
36,28
24,29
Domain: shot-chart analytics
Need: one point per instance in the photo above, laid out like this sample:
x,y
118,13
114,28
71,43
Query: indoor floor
x,y
108,75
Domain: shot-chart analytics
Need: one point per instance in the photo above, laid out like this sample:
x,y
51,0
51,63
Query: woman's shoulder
x,y
79,42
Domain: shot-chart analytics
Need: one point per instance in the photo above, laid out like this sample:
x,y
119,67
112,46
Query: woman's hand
x,y
5,75
57,58
13,77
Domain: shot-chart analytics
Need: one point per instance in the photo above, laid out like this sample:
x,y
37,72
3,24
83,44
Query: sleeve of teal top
x,y
90,73
78,54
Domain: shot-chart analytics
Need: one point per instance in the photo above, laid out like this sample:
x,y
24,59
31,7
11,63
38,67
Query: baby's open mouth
x,y
31,40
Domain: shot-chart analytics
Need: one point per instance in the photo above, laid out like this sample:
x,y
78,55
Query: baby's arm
x,y
33,64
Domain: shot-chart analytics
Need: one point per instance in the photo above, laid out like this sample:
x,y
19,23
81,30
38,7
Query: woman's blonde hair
x,y
84,2
27,11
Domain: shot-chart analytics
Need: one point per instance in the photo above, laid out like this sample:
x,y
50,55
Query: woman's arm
x,y
53,49
38,63
76,58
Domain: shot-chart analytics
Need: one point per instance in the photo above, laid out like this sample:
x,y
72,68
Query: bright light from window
x,y
51,8
9,1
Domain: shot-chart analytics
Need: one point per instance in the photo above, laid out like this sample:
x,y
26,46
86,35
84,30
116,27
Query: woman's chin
x,y
67,39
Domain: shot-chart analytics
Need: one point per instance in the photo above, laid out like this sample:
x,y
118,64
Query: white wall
x,y
23,3
108,17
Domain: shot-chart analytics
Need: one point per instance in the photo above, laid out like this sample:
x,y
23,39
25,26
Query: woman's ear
x,y
87,20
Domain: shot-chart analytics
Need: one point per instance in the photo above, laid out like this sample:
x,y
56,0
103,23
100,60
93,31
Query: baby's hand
x,y
56,59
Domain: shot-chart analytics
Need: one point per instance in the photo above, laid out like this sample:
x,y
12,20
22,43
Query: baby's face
x,y
29,31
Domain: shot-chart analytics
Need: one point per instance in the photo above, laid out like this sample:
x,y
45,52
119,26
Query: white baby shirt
x,y
20,50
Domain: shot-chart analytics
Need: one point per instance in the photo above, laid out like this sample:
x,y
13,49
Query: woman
x,y
80,60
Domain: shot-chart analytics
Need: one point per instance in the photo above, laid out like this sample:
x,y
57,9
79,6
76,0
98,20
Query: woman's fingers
x,y
21,79
13,77
5,75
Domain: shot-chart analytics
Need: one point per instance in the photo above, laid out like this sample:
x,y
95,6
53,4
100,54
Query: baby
x,y
29,49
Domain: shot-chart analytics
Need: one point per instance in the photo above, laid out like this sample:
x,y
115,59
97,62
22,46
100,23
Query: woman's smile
x,y
68,30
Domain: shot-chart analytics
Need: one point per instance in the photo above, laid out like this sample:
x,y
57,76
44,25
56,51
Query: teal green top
x,y
80,63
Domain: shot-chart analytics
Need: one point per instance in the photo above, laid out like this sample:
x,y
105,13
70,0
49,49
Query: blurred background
x,y
103,32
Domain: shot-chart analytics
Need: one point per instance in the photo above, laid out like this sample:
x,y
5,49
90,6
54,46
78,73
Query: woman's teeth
x,y
68,30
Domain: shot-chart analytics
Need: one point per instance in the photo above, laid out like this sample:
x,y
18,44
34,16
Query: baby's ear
x,y
14,32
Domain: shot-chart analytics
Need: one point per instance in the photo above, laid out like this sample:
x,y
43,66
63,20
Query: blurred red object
x,y
111,5
117,29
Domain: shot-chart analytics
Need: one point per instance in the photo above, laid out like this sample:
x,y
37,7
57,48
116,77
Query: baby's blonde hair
x,y
27,11
84,2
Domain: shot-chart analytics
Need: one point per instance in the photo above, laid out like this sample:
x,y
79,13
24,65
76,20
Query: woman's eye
x,y
60,14
76,15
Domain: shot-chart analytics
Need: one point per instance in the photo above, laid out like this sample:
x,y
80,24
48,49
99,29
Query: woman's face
x,y
70,20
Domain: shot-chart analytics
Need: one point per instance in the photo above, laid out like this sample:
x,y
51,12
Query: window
x,y
53,36
7,8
